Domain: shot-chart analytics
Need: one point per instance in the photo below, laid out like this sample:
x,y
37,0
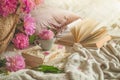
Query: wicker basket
x,y
7,29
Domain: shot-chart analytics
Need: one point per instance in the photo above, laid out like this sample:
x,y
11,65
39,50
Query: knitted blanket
x,y
83,64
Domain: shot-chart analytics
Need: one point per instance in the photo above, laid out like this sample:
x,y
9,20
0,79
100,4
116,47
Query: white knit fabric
x,y
83,64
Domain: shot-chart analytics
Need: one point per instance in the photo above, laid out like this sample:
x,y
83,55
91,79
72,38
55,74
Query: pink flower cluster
x,y
21,41
29,25
28,5
46,34
8,7
15,63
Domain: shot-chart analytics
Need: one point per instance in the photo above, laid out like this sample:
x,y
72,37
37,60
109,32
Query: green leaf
x,y
48,69
48,27
1,71
20,24
2,62
4,71
32,39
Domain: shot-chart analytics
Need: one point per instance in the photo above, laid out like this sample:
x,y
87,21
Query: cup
x,y
45,44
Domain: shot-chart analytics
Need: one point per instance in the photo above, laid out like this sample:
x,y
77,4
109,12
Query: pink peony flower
x,y
8,7
28,5
46,34
29,25
21,41
15,63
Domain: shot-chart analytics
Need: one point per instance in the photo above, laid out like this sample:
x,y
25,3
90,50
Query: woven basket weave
x,y
7,29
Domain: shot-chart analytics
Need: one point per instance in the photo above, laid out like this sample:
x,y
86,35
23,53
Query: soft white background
x,y
105,11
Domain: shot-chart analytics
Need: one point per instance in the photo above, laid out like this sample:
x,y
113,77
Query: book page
x,y
89,26
97,34
67,39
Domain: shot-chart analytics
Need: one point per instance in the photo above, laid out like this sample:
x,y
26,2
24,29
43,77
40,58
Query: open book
x,y
86,33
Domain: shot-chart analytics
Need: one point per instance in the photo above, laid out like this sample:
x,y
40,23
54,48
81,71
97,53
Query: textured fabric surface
x,y
83,64
99,64
7,30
